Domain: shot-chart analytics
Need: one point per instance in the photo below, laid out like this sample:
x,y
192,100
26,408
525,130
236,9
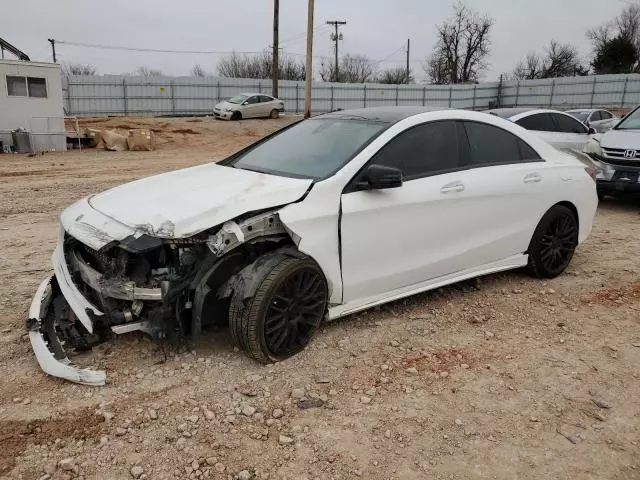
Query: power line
x,y
189,52
303,35
155,50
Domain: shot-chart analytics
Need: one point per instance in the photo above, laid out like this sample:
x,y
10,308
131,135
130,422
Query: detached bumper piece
x,y
53,362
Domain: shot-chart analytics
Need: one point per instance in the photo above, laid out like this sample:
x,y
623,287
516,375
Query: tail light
x,y
592,172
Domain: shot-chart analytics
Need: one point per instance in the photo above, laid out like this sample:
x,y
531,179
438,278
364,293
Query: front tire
x,y
285,312
553,243
236,116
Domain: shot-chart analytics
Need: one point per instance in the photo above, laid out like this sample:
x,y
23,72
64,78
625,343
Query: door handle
x,y
453,187
532,178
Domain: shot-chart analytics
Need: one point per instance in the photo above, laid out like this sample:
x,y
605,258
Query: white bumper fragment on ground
x,y
62,368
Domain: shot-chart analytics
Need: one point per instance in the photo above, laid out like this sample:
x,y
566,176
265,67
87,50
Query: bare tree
x,y
559,60
77,69
351,69
260,65
436,68
394,76
529,68
462,47
197,71
562,60
615,42
147,72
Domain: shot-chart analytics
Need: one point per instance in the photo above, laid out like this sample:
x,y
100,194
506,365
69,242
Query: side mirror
x,y
378,177
592,131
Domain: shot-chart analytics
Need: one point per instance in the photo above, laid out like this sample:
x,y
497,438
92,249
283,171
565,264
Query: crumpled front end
x,y
53,362
110,279
128,285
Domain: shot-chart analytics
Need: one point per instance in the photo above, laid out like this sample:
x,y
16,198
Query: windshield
x,y
314,148
238,99
630,122
582,116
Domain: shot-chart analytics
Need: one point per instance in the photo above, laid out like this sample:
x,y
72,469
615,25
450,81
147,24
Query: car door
x,y
251,107
602,122
400,236
506,186
572,134
444,219
267,104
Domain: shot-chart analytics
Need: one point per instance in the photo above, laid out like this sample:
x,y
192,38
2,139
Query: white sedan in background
x,y
249,105
600,120
559,129
329,216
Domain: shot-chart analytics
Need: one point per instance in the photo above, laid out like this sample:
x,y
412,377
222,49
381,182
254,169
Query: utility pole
x,y
309,66
408,48
335,37
53,48
275,69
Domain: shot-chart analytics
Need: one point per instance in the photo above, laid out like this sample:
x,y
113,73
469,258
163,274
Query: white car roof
x,y
251,94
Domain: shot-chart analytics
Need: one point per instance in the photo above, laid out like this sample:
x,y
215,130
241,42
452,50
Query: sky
x,y
376,28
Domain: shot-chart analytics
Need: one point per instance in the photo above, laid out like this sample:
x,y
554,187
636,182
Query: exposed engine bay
x,y
169,288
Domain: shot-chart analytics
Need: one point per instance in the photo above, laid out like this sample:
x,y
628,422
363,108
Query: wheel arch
x,y
563,203
572,207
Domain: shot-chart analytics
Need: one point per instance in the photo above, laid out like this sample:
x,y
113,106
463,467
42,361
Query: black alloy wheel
x,y
294,312
553,242
284,313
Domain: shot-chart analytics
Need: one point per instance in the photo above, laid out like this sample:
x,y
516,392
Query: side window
x,y
541,122
16,86
568,124
253,100
37,87
492,145
265,99
605,115
595,116
422,150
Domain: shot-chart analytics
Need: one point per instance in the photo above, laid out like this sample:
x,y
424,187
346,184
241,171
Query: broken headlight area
x,y
95,294
166,288
145,288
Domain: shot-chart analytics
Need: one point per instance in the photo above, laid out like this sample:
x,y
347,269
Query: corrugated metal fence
x,y
124,95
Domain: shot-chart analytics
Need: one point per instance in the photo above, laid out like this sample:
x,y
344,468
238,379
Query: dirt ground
x,y
504,378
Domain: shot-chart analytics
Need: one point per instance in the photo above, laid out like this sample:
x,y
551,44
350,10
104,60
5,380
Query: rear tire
x,y
236,116
285,311
553,243
274,113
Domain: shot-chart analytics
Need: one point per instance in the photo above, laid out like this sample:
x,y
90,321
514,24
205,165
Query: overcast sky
x,y
376,28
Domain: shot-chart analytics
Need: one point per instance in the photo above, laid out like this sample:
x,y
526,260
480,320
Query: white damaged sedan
x,y
324,218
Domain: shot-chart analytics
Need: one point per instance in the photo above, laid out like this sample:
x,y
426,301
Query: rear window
x,y
492,145
541,122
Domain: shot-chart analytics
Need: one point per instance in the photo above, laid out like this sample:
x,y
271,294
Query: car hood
x,y
224,104
624,139
184,202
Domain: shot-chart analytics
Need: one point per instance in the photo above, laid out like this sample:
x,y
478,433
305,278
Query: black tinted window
x,y
422,150
541,122
568,124
253,99
595,116
605,115
491,145
265,99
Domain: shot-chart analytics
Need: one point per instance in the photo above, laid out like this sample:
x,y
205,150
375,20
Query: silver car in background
x,y
598,119
249,105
